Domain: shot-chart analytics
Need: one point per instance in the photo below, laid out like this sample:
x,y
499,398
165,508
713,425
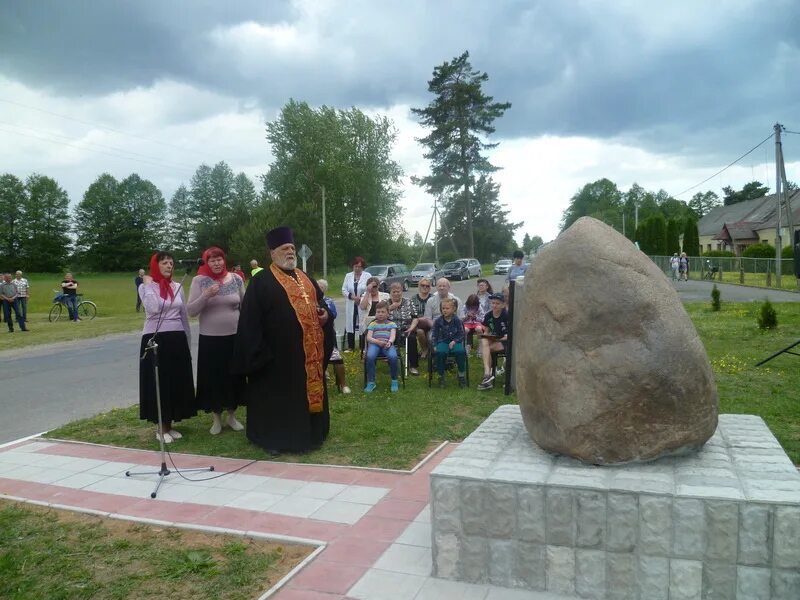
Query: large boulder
x,y
609,367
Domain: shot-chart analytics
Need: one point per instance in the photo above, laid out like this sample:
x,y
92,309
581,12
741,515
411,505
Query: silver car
x,y
502,266
425,271
473,266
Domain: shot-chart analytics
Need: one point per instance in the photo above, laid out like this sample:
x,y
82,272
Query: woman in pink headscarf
x,y
215,296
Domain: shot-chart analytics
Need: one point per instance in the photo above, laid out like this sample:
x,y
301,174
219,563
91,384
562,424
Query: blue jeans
x,y
373,352
7,308
72,307
22,307
458,352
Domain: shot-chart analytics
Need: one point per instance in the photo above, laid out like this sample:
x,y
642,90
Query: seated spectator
x,y
424,324
471,314
336,357
494,338
381,333
484,291
402,312
432,308
369,302
447,338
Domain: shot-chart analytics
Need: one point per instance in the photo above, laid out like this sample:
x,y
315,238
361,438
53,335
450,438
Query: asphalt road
x,y
46,386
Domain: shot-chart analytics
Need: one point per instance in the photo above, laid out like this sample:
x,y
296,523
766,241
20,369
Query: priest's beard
x,y
288,264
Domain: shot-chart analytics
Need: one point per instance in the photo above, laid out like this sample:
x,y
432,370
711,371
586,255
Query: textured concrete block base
x,y
722,524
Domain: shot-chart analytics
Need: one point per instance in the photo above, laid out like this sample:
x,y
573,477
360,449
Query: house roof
x,y
742,230
744,218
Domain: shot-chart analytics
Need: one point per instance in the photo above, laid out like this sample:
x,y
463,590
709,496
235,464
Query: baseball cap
x,y
497,296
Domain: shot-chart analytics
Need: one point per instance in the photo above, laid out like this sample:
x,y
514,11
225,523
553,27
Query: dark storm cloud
x,y
713,77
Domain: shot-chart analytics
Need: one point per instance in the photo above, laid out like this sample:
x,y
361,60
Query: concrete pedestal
x,y
723,523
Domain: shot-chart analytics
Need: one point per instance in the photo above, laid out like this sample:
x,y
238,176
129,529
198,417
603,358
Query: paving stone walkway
x,y
371,527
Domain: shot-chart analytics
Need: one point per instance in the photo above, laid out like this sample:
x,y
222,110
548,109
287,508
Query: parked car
x,y
389,274
426,270
502,266
473,266
456,270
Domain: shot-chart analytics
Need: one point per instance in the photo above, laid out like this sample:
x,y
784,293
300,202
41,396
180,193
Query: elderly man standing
x,y
254,268
23,293
283,343
8,296
433,306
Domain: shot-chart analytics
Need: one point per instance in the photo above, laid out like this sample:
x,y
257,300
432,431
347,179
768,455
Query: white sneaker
x,y
346,390
233,423
216,427
167,438
176,435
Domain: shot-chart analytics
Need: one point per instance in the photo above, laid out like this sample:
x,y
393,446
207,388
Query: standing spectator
x,y
254,268
23,293
517,268
683,267
166,321
216,296
137,281
353,287
424,325
70,288
237,268
674,265
8,295
447,337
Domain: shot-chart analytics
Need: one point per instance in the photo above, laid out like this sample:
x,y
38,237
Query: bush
x,y
767,317
759,251
787,252
722,253
716,304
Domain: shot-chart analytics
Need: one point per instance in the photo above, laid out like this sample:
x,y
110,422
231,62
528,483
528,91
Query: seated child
x,y
336,358
447,337
471,314
496,326
380,342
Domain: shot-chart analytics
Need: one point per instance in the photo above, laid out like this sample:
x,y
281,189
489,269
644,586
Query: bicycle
x,y
712,271
87,310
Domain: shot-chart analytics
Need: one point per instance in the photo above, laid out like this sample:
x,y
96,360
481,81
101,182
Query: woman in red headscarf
x,y
166,321
215,296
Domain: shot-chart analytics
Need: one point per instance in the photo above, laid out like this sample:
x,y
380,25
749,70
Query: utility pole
x,y
623,223
324,238
435,232
778,128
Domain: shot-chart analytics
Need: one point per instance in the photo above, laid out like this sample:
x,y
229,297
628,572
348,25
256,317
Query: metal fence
x,y
736,269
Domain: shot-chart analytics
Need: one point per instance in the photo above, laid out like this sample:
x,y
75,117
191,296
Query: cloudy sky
x,y
664,95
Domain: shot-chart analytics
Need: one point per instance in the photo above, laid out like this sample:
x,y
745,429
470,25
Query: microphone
x,y
190,262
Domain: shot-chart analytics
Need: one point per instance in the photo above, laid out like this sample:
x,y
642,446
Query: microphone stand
x,y
152,346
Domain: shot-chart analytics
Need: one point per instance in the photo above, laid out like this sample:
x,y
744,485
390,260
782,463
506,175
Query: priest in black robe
x,y
284,339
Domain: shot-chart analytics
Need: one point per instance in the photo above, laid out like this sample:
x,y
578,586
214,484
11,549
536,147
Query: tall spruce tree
x,y
460,118
691,238
182,232
46,225
12,201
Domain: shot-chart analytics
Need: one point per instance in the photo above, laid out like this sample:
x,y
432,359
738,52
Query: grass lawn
x,y
61,555
788,281
395,430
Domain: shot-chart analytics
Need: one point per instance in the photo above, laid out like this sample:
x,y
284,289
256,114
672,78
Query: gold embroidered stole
x,y
305,307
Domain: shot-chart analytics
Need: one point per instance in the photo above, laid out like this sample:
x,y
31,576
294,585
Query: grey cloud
x,y
568,68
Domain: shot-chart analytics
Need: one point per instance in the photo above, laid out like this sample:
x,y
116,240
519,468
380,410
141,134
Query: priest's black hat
x,y
279,236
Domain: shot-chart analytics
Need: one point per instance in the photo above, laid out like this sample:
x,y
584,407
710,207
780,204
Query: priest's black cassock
x,y
271,350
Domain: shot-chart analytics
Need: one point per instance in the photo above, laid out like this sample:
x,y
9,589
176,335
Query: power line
x,y
87,146
726,168
117,131
147,162
794,132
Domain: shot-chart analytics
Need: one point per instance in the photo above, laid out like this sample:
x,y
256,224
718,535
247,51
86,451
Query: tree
x,y
494,234
243,201
600,199
12,201
119,224
702,202
181,235
674,227
752,190
349,155
46,225
529,244
212,202
691,238
460,118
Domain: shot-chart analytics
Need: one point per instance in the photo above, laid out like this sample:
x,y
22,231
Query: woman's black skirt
x,y
217,389
175,378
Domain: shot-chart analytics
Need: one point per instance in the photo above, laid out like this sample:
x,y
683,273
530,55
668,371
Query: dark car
x,y
456,270
425,270
389,274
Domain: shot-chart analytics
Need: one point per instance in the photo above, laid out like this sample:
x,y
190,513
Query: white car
x,y
502,266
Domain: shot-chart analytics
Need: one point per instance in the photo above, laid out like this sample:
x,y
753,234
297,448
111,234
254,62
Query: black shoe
x,y
441,382
462,382
272,453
